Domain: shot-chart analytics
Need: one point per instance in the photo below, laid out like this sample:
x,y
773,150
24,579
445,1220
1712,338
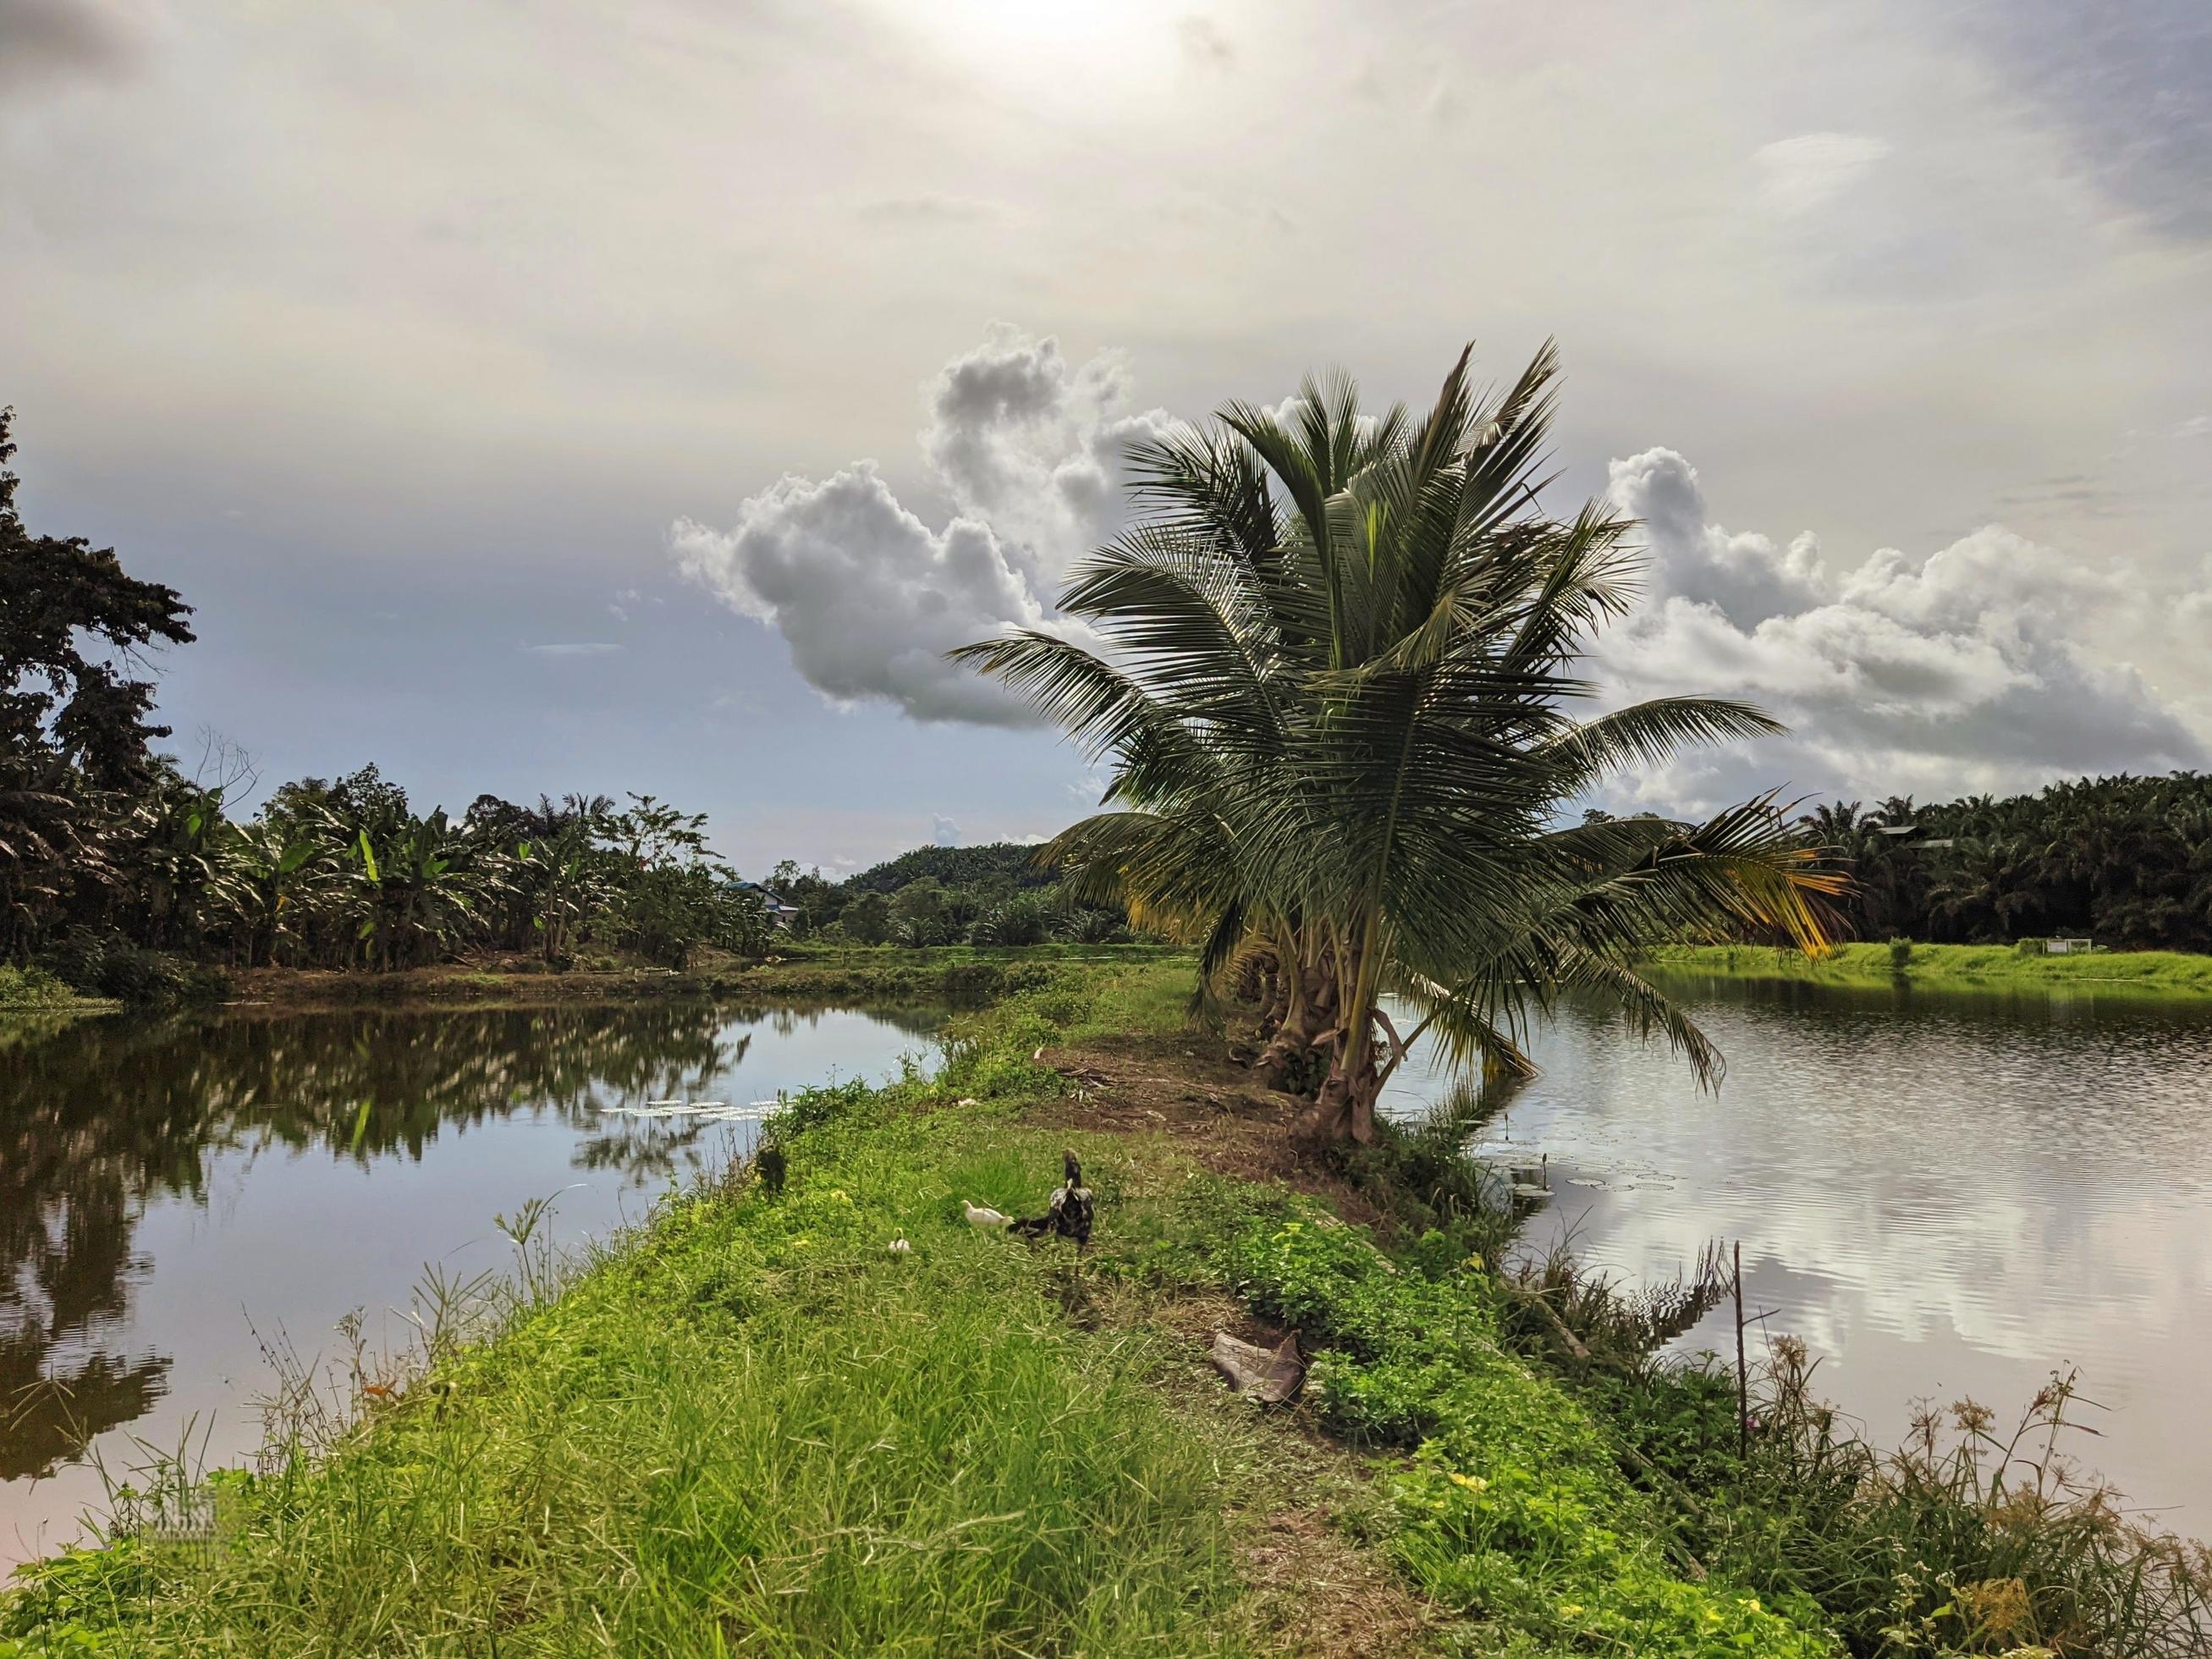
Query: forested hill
x,y
993,895
2125,860
1000,865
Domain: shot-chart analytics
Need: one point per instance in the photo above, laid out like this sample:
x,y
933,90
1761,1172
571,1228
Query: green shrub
x,y
32,988
1900,953
108,964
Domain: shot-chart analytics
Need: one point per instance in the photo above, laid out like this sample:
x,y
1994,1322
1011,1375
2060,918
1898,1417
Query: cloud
x,y
1203,44
1032,446
575,648
943,832
41,39
869,597
1796,175
929,208
1951,674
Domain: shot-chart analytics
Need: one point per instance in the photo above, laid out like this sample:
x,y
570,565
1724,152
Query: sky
x,y
562,396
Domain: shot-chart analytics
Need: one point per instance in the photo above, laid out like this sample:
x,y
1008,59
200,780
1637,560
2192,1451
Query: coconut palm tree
x,y
1341,652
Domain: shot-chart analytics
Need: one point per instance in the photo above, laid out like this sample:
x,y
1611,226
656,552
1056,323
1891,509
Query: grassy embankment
x,y
1936,967
961,975
754,1427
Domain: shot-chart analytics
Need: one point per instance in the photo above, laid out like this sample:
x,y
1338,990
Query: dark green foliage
x,y
104,963
74,724
56,591
994,895
2125,860
996,868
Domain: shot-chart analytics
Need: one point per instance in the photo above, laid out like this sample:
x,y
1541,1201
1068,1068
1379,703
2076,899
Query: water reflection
x,y
1944,1196
138,1158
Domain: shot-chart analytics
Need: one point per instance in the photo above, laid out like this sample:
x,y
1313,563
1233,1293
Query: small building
x,y
779,911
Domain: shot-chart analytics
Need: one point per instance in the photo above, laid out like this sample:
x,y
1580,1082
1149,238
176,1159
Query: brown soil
x,y
1329,1598
1189,1088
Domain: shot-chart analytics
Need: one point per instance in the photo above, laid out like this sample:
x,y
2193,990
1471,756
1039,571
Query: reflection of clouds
x,y
1939,1199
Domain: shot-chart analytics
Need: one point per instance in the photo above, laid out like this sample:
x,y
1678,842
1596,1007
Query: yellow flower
x,y
1571,1610
1472,1482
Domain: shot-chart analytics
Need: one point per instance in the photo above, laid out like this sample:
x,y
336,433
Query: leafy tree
x,y
58,596
75,725
676,894
868,919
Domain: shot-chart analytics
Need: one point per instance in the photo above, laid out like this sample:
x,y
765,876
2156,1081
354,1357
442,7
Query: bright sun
x,y
1109,38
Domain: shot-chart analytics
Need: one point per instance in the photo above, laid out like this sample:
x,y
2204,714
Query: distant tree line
x,y
114,864
996,894
2124,861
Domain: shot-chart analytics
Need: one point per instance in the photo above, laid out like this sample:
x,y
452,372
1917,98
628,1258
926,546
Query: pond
x,y
1945,1194
174,1195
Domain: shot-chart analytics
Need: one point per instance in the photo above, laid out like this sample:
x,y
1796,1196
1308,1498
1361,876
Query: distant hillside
x,y
1001,866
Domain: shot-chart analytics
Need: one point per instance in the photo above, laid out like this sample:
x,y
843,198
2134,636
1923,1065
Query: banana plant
x,y
422,893
277,874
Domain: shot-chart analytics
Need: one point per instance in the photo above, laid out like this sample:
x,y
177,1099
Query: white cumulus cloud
x,y
869,597
1032,446
1944,675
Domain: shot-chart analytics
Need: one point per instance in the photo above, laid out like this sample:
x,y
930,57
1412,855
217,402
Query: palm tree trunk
x,y
1344,1110
1309,1004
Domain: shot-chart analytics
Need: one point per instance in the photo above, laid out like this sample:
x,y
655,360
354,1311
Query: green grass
x,y
754,1427
751,1427
1936,967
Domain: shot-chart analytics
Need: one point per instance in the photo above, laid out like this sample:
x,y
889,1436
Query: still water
x,y
1945,1196
173,1194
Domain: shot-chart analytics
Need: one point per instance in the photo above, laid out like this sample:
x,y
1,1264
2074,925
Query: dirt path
x,y
1320,1591
1185,1086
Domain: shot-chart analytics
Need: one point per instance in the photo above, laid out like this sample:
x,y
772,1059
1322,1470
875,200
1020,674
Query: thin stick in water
x,y
1742,1376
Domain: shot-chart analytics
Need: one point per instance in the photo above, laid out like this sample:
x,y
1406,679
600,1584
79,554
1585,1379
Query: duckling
x,y
979,1216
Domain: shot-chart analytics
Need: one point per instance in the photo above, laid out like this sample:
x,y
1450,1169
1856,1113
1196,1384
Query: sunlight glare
x,y
1110,38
